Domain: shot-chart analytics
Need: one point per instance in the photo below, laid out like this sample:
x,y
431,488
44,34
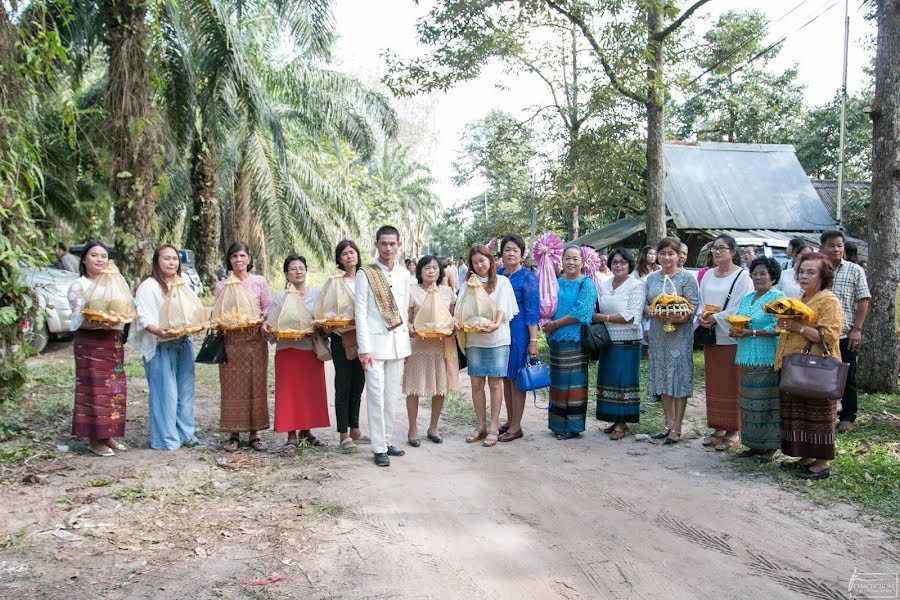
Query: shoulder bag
x,y
707,337
816,377
212,352
322,347
594,340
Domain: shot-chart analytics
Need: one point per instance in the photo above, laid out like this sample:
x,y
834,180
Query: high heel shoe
x,y
660,435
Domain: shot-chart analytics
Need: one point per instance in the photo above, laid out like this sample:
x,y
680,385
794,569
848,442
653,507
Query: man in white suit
x,y
382,306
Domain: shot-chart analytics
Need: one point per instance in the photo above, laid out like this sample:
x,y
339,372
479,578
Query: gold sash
x,y
381,289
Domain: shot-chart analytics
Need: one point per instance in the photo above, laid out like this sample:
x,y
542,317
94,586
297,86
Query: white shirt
x,y
788,284
628,301
714,290
149,299
505,300
76,302
372,334
461,271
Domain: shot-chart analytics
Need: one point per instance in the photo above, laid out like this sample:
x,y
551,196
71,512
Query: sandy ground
x,y
536,518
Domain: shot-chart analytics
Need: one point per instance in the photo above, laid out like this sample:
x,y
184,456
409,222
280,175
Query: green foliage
x,y
818,139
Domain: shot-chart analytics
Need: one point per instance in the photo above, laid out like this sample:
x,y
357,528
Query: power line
x,y
747,41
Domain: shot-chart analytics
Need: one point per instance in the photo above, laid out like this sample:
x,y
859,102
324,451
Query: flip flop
x,y
617,434
348,445
105,453
116,446
726,445
713,440
258,445
362,439
609,429
231,445
490,441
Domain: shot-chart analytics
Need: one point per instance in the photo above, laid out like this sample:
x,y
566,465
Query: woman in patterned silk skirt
x,y
756,345
243,380
100,388
568,364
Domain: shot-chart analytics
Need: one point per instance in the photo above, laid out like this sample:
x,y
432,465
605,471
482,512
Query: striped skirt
x,y
760,413
568,388
723,381
807,426
619,384
243,382
100,388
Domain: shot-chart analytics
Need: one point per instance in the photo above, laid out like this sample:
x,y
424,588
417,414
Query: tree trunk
x,y
880,352
655,214
206,223
133,132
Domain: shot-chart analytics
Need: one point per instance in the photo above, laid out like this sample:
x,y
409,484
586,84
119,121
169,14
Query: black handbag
x,y
707,337
212,352
594,340
460,354
811,376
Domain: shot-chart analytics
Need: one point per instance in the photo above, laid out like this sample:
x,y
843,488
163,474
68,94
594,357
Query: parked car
x,y
54,315
187,265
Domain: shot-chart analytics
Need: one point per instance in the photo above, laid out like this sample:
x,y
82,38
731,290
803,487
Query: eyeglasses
x,y
721,248
623,263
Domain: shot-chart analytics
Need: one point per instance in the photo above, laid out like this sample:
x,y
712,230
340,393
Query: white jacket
x,y
372,335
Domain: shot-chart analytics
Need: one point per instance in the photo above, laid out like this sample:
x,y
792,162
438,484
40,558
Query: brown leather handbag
x,y
816,377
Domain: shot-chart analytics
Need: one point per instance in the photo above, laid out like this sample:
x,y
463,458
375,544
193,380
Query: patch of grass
x,y
14,455
15,539
324,508
132,493
866,468
458,409
46,399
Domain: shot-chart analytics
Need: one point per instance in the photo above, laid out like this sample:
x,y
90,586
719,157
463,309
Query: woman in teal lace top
x,y
568,365
756,345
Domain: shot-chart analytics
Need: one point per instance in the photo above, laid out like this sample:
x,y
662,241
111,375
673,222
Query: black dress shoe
x,y
436,439
395,451
382,460
814,475
414,443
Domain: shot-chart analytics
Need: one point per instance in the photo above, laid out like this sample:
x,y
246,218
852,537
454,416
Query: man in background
x,y
65,260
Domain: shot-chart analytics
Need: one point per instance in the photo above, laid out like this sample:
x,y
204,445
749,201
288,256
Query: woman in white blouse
x,y
618,371
168,359
721,292
487,352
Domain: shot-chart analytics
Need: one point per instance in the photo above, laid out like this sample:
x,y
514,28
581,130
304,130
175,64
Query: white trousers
x,y
383,382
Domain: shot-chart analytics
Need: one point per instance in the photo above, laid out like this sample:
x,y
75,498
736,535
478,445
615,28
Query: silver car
x,y
54,315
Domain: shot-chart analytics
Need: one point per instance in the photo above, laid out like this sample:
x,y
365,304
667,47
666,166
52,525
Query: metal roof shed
x,y
712,185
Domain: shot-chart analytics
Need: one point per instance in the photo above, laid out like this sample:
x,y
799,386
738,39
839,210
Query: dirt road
x,y
536,518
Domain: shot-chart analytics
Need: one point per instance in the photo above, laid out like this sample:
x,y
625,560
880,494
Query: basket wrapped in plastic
x,y
475,309
335,305
670,305
737,322
433,321
789,308
290,320
234,308
109,300
182,312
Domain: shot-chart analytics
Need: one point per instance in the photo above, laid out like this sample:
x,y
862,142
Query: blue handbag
x,y
532,377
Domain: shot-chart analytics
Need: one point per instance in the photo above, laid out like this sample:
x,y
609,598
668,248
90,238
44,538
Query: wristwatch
x,y
802,329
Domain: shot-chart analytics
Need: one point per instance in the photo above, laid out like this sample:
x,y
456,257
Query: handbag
x,y
461,350
810,376
594,340
707,337
533,376
322,347
212,352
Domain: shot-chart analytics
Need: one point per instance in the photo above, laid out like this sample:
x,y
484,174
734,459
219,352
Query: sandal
x,y
103,453
476,436
257,444
713,440
610,429
726,444
348,445
661,434
314,442
362,439
231,445
116,446
490,441
617,434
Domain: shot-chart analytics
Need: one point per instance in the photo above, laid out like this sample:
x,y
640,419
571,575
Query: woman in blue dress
x,y
523,331
568,364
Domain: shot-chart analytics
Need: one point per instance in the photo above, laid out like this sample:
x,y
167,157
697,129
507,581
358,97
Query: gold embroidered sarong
x,y
384,299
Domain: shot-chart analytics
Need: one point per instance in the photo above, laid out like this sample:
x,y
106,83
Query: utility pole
x,y
485,207
533,209
840,185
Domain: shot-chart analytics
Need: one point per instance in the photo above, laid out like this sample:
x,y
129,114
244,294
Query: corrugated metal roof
x,y
612,233
827,190
740,186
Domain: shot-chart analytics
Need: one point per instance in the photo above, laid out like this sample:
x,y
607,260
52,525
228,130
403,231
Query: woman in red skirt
x,y
301,400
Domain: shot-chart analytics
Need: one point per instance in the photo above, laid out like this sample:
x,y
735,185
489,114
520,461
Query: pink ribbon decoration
x,y
492,244
547,251
591,261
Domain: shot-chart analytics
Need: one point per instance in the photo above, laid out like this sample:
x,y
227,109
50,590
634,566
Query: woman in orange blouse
x,y
807,424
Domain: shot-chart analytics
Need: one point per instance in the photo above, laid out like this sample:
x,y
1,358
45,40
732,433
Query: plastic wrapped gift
x,y
789,308
290,320
434,319
335,305
475,309
182,312
109,300
670,305
234,308
548,252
